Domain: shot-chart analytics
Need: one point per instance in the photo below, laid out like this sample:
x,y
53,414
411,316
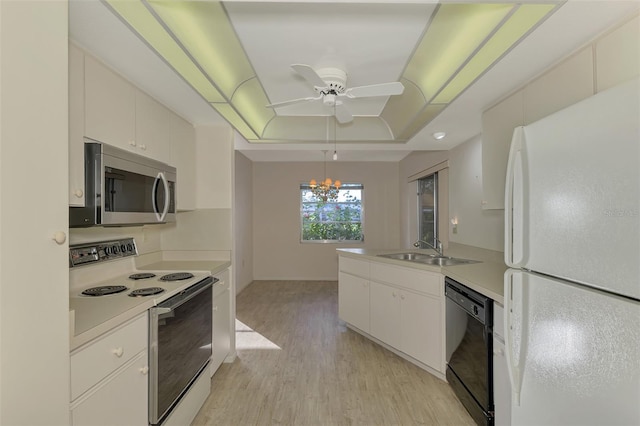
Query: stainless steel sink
x,y
428,259
407,256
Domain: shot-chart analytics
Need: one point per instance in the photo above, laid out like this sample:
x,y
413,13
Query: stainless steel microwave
x,y
124,189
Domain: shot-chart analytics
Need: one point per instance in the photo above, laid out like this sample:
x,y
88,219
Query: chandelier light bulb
x,y
335,155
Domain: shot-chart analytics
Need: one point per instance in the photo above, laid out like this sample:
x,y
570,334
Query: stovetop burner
x,y
178,276
104,290
142,276
149,291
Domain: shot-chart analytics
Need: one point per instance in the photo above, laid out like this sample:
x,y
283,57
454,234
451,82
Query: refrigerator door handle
x,y
514,202
513,360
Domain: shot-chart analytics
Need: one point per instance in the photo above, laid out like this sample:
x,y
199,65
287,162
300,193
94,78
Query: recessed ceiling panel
x,y
371,42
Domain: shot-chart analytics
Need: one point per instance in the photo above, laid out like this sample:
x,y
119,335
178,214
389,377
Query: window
x,y
428,209
332,221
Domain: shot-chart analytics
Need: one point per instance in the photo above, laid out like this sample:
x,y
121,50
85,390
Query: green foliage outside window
x,y
332,221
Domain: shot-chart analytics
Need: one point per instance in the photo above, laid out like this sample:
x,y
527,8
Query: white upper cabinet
x,y
183,158
568,83
76,126
119,114
497,130
109,106
617,57
153,128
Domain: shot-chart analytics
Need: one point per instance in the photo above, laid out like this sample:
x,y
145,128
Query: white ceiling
x,y
372,39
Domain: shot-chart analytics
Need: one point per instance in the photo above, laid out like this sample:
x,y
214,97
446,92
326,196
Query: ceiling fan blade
x,y
293,101
309,74
383,89
343,115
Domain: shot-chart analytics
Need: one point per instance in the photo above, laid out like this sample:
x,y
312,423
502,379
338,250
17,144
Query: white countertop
x,y
90,317
486,277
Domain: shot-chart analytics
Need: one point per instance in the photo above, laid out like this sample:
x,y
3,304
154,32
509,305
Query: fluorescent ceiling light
x,y
462,42
136,15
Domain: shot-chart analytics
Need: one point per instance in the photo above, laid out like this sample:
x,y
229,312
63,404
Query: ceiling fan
x,y
330,84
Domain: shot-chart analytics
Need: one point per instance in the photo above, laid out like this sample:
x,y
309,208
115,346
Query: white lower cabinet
x,y
353,300
385,314
121,399
407,321
221,321
422,329
401,307
109,377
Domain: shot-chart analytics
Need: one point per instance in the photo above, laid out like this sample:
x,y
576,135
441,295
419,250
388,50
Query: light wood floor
x,y
298,364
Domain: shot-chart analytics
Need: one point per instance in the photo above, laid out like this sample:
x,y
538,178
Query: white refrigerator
x,y
572,242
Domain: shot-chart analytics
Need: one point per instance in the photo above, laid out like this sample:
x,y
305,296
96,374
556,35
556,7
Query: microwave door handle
x,y
165,210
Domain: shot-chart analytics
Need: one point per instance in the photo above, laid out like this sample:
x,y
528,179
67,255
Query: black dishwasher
x,y
469,331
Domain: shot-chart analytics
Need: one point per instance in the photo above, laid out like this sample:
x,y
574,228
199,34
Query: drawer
x,y
498,320
412,279
354,266
94,361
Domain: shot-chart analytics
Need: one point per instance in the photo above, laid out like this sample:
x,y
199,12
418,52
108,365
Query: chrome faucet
x,y
437,249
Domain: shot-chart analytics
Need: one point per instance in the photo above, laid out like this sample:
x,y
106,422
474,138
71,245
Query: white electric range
x,y
106,289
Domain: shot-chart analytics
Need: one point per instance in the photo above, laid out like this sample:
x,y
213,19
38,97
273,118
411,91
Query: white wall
x,y
34,275
243,222
277,250
476,227
214,166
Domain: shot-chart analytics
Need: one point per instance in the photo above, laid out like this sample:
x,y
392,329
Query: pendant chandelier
x,y
327,189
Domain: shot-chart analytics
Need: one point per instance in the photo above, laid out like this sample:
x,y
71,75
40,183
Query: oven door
x,y
180,346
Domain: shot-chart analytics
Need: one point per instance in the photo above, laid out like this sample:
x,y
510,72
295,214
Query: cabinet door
x,y
121,400
109,106
353,301
183,158
221,327
501,384
76,126
421,329
497,131
564,85
617,58
153,128
385,313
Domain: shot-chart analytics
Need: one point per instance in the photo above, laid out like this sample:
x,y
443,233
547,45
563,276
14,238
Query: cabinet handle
x,y
402,296
144,370
132,143
393,294
498,352
59,237
215,309
143,147
78,193
118,352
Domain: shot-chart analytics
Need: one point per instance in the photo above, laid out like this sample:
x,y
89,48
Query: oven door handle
x,y
185,296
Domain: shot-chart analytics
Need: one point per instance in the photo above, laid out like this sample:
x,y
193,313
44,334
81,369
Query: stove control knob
x,y
123,248
115,249
130,247
107,250
475,310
